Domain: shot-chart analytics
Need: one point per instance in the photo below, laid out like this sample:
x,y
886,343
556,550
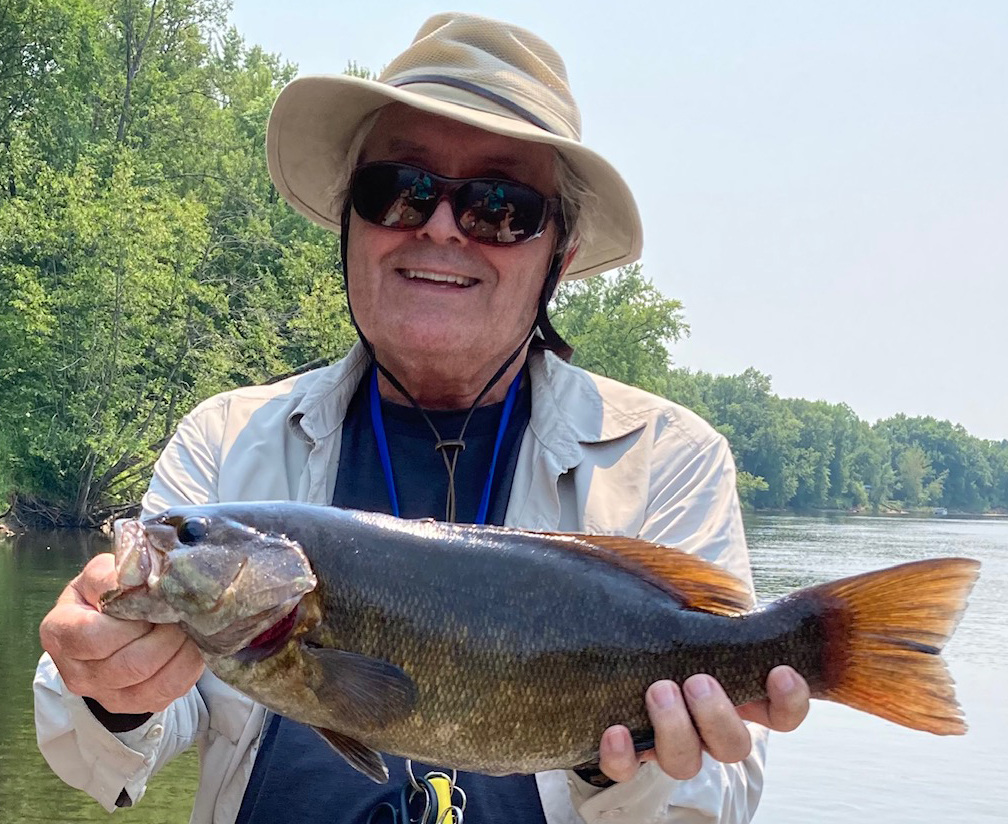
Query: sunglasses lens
x,y
498,211
491,211
399,197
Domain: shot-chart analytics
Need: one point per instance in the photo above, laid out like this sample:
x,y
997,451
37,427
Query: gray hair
x,y
579,204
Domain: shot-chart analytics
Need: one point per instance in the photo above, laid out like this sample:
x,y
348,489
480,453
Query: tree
x,y
762,430
749,486
815,452
620,326
912,467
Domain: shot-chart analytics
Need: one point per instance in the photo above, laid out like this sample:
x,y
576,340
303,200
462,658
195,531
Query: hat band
x,y
493,97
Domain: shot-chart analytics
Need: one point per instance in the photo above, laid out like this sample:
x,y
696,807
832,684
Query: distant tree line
x,y
146,262
791,453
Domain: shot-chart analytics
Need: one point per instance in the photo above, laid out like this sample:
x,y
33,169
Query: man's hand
x,y
700,717
126,666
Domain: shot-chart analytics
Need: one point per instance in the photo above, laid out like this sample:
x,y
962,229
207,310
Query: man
x,y
450,406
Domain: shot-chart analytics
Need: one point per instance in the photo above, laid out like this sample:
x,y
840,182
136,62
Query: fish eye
x,y
192,530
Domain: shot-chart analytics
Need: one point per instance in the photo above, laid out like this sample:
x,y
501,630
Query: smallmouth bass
x,y
501,651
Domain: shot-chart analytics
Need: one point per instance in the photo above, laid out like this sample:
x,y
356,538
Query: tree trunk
x,y
134,55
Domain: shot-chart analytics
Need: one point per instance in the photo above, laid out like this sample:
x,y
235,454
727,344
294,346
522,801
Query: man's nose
x,y
442,228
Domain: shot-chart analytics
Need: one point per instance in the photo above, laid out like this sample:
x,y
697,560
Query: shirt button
x,y
154,733
149,760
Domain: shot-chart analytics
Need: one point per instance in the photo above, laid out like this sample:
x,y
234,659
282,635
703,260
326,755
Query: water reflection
x,y
34,568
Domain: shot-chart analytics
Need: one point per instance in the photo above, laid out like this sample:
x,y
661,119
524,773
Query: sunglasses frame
x,y
446,187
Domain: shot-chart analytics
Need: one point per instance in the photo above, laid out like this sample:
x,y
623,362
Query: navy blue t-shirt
x,y
297,777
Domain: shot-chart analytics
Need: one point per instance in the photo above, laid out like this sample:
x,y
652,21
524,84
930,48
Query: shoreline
x,y
929,513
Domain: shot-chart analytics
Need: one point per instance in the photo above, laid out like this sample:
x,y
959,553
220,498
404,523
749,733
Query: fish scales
x,y
483,648
578,660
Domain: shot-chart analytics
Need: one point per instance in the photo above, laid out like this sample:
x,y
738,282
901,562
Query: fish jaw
x,y
225,590
132,554
140,555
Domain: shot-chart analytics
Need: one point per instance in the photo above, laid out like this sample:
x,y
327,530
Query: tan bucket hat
x,y
491,75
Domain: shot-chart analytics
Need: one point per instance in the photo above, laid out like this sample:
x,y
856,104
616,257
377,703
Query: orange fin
x,y
696,583
890,627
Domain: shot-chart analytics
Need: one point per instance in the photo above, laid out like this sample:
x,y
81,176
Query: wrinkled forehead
x,y
455,149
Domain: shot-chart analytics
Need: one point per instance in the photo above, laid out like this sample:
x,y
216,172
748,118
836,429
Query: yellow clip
x,y
442,786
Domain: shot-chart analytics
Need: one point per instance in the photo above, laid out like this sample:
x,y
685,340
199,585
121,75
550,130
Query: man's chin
x,y
434,335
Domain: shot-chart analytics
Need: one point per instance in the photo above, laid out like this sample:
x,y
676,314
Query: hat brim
x,y
315,117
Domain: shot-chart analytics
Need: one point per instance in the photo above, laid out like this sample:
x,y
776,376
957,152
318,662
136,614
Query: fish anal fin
x,y
357,755
370,691
694,582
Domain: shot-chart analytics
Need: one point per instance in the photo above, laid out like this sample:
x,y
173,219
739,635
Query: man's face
x,y
428,326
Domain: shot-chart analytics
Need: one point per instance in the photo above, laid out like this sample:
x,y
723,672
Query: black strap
x,y
479,91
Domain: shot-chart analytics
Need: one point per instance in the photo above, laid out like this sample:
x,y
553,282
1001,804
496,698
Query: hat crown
x,y
510,71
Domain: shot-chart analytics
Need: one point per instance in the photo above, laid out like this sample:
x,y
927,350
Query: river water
x,y
839,766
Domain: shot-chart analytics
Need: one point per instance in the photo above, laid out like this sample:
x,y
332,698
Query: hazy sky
x,y
824,185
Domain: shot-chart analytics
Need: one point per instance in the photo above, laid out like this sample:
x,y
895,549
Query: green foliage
x,y
620,326
145,259
749,486
103,263
912,467
362,72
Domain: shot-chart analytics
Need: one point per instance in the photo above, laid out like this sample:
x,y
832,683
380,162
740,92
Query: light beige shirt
x,y
597,457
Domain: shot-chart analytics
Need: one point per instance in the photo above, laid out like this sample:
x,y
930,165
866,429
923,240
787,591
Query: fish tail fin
x,y
884,632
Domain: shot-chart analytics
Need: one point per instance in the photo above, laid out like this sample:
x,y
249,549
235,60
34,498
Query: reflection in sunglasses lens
x,y
398,196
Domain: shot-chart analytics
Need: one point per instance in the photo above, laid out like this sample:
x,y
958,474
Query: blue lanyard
x,y
386,462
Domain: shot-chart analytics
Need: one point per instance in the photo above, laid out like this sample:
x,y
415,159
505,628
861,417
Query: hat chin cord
x,y
550,339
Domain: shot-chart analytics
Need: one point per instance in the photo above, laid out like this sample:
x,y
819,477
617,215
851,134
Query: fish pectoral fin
x,y
368,690
358,756
693,581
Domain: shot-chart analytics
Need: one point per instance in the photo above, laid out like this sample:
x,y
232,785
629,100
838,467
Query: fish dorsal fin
x,y
696,583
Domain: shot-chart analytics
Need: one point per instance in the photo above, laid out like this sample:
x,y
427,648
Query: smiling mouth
x,y
437,277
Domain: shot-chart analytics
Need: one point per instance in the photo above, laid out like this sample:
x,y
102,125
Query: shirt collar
x,y
568,409
322,409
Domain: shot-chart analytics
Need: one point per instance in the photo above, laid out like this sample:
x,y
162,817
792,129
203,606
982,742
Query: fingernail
x,y
787,680
617,743
699,686
663,694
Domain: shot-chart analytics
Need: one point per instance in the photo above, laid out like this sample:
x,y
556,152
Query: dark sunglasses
x,y
498,212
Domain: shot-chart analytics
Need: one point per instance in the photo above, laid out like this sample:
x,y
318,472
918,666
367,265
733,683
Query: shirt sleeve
x,y
81,751
694,506
187,470
88,757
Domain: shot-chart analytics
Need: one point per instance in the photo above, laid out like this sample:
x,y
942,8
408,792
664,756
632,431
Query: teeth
x,y
437,277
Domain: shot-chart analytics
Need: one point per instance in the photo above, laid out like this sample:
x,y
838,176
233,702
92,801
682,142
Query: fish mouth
x,y
140,558
134,560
